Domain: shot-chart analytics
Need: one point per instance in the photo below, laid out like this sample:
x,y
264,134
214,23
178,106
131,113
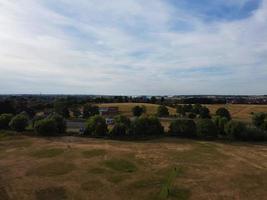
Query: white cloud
x,y
128,47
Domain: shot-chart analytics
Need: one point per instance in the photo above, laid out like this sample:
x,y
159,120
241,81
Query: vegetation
x,y
120,165
96,126
162,111
138,111
204,113
46,127
90,110
19,122
258,119
183,128
5,120
224,113
206,129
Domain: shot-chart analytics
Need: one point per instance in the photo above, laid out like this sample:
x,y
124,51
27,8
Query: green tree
x,y
46,127
183,128
137,111
206,129
121,119
4,120
61,108
162,111
119,130
180,110
223,112
204,113
61,125
258,119
90,110
96,126
19,122
235,130
220,123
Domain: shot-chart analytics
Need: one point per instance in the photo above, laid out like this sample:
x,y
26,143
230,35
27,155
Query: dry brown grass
x,y
132,170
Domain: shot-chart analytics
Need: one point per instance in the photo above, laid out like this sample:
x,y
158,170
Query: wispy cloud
x,y
132,47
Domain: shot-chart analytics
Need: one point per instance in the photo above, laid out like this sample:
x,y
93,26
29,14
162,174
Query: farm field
x,y
241,112
83,168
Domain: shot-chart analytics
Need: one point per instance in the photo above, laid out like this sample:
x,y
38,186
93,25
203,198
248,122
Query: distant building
x,y
108,111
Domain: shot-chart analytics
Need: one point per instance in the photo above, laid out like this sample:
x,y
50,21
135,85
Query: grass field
x,y
82,168
240,112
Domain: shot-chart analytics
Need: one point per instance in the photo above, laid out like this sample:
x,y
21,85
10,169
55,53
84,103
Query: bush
x,y
183,128
138,111
120,119
162,111
235,130
264,126
220,123
204,113
147,126
46,127
19,122
192,115
96,126
119,130
254,134
37,118
206,129
90,110
223,112
258,119
60,123
4,120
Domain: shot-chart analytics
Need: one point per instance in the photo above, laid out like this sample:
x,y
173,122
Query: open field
x,y
83,168
240,112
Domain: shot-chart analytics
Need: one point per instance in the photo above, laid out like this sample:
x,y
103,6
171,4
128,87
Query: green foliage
x,y
183,128
147,126
90,110
196,108
61,108
138,111
162,111
19,122
258,119
60,123
191,115
220,123
206,129
264,126
96,126
204,113
180,110
4,120
223,112
118,130
121,119
254,134
46,127
235,130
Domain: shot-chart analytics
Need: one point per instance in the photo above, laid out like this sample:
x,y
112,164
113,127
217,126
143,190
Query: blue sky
x,y
133,47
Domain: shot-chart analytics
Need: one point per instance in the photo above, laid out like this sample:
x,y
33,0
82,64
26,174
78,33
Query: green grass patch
x,y
58,193
117,178
147,183
97,171
52,169
47,153
93,153
179,193
120,165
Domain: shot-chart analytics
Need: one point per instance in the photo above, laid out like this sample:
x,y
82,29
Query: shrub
x,y
254,134
235,130
180,110
119,130
96,126
162,111
145,126
4,120
258,119
192,115
264,126
46,127
220,123
120,119
60,123
19,122
223,112
37,118
90,110
183,128
206,129
204,113
137,111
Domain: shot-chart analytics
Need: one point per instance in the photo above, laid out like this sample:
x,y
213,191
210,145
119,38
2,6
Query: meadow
x,y
168,168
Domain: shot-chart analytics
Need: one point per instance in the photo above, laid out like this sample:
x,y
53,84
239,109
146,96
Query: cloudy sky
x,y
133,47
